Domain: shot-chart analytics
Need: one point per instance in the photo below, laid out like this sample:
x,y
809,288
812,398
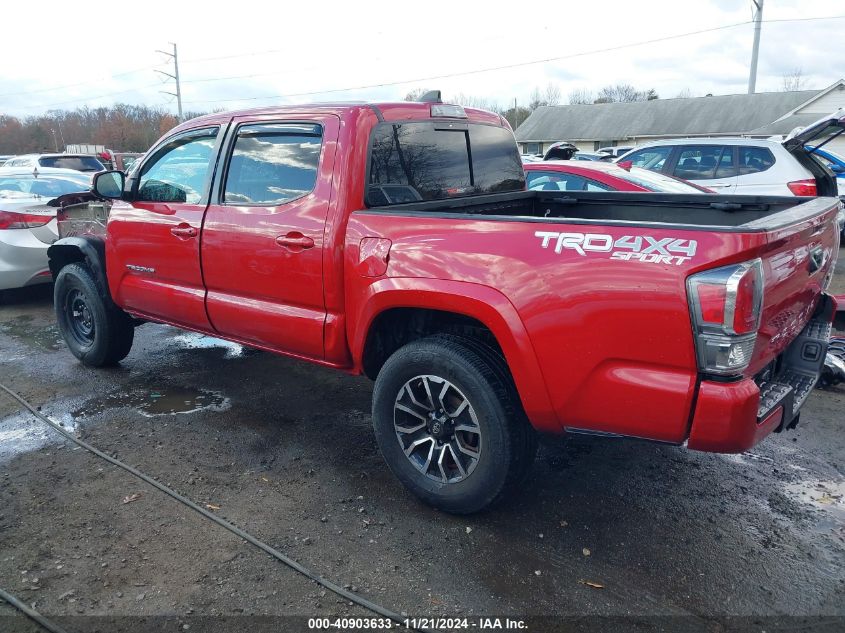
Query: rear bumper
x,y
23,259
731,417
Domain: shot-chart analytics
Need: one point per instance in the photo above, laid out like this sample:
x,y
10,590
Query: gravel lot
x,y
614,535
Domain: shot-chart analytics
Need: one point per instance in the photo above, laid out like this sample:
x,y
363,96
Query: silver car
x,y
28,223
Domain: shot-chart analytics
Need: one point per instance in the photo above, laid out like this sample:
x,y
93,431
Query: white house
x,y
759,115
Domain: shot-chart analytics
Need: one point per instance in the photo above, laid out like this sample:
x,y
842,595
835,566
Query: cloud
x,y
289,51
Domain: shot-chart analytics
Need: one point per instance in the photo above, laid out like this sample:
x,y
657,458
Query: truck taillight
x,y
13,220
803,187
725,306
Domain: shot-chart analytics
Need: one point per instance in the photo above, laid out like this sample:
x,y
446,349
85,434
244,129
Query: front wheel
x,y
97,334
449,424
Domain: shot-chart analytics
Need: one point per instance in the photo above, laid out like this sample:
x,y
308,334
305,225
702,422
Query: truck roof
x,y
389,111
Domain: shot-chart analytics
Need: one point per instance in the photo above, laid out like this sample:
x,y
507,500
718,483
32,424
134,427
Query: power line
x,y
81,83
487,70
110,94
472,72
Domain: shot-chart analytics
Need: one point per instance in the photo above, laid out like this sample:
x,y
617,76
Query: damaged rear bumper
x,y
731,417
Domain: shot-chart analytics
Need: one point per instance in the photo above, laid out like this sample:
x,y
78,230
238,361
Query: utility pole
x,y
174,77
758,19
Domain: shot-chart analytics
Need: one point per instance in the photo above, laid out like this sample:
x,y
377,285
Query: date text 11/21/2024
x,y
421,623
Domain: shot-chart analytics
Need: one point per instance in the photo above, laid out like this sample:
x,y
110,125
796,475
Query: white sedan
x,y
28,223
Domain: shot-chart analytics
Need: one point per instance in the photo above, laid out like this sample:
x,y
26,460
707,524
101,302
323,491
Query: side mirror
x,y
109,184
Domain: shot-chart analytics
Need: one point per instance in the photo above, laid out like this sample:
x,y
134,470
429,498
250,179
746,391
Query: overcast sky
x,y
61,55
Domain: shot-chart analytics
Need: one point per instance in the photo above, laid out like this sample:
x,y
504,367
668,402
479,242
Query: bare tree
x,y
415,94
552,95
624,93
794,80
472,101
581,96
684,93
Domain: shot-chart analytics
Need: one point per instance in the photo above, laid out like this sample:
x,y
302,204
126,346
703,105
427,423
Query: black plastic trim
x,y
89,250
800,208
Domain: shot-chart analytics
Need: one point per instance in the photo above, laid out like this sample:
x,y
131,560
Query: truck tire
x,y
450,425
97,334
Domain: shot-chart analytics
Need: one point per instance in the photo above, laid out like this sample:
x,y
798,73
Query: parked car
x,y
124,160
615,151
483,312
562,150
4,158
28,223
531,158
735,165
834,162
592,156
600,176
77,162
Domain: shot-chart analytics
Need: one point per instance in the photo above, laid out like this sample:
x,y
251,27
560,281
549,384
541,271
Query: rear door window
x,y
273,163
434,160
704,162
755,159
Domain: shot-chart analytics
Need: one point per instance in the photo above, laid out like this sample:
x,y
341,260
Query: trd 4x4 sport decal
x,y
642,248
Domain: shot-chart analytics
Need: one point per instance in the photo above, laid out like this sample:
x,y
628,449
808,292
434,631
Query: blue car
x,y
834,161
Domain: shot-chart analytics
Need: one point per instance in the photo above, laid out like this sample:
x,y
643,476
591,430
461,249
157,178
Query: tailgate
x,y
798,261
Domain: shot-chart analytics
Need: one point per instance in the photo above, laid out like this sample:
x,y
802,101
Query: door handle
x,y
184,231
718,185
295,241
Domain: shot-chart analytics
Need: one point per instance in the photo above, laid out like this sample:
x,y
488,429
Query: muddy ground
x,y
615,535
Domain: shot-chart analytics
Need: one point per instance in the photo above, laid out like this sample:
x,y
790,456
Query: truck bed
x,y
702,212
599,281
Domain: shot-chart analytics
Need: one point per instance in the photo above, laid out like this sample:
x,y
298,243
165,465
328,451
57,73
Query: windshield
x,y
435,160
654,181
44,186
79,163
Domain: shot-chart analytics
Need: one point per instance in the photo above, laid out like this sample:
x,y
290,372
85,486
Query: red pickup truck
x,y
397,240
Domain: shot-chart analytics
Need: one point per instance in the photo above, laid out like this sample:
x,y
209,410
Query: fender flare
x,y
89,250
486,305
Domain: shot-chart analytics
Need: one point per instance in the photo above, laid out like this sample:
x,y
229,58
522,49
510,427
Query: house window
x,y
532,148
597,145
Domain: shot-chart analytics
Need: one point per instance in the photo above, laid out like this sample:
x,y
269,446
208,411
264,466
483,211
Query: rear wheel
x,y
95,333
449,425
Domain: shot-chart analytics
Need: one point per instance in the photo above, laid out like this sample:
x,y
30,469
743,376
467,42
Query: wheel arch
x,y
90,251
444,305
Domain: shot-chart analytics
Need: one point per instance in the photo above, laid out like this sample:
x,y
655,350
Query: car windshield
x,y
434,160
654,181
43,186
78,163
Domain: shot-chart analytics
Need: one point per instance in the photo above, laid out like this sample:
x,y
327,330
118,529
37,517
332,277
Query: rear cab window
x,y
436,160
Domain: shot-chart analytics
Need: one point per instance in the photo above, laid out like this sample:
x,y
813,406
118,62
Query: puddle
x,y
22,433
193,340
824,495
152,402
43,336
